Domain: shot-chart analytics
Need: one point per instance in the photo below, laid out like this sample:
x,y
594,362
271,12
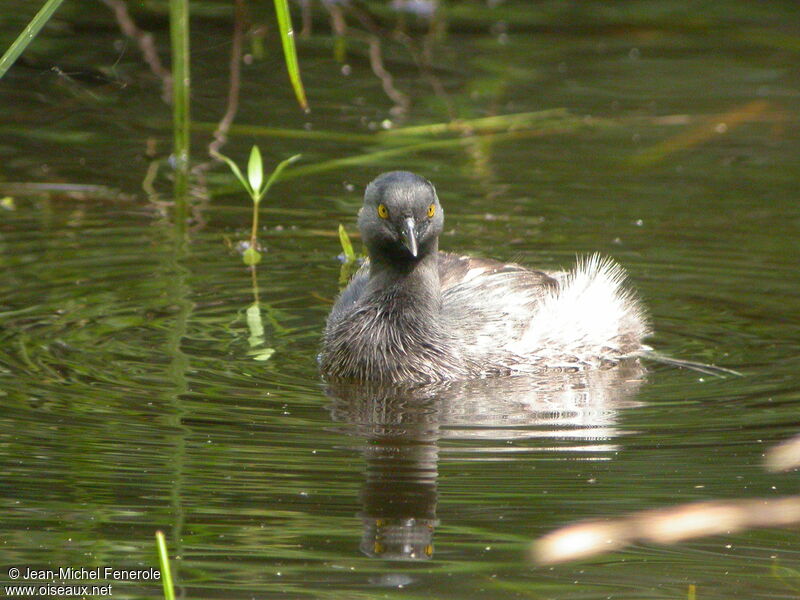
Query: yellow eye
x,y
383,212
431,210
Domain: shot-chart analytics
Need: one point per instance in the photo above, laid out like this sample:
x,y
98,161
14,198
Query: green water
x,y
132,400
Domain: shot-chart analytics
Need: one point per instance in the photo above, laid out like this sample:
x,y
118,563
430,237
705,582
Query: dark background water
x,y
132,398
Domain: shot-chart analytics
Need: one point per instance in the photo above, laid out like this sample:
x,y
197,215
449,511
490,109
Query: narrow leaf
x,y
236,172
347,245
276,173
255,170
289,51
28,34
163,559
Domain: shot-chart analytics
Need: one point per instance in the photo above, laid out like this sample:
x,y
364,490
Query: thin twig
x,y
235,66
232,105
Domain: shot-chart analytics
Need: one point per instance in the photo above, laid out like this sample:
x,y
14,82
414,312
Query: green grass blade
x,y
378,156
438,144
542,119
347,245
276,173
27,35
289,51
292,134
166,574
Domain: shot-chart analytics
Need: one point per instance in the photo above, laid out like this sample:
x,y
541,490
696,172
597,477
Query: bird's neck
x,y
411,285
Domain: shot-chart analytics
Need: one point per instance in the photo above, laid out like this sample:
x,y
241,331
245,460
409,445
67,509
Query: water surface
x,y
134,401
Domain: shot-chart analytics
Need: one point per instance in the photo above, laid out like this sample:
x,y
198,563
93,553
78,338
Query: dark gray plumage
x,y
413,314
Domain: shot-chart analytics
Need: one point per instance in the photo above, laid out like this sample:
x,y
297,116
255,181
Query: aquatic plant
x,y
179,29
166,574
257,187
350,260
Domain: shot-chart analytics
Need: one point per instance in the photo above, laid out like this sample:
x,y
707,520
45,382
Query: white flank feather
x,y
591,310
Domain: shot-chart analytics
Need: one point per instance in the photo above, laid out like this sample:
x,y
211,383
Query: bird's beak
x,y
409,234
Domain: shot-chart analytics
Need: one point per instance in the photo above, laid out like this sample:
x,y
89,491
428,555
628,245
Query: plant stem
x,y
254,230
179,35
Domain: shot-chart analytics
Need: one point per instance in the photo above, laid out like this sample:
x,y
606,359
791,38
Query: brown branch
x,y
305,12
235,66
401,101
665,526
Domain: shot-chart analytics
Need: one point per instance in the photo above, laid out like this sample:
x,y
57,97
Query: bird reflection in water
x,y
568,411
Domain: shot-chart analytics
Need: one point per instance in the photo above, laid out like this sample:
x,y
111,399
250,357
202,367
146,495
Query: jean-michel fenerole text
x,y
92,574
